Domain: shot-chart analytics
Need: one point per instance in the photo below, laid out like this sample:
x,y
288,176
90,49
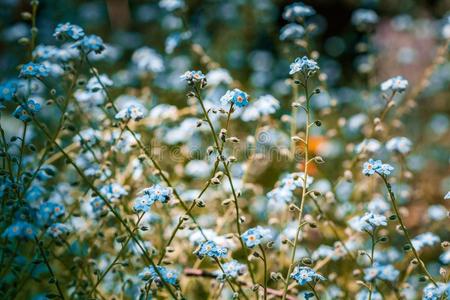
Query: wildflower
x,y
211,249
281,194
425,239
113,191
432,292
303,275
304,65
388,273
147,60
218,76
157,193
437,212
169,276
24,112
142,204
98,205
131,112
297,10
49,212
8,90
395,84
385,169
255,236
369,222
91,43
292,31
364,19
376,166
399,144
68,31
20,229
31,69
263,106
236,96
231,269
193,77
56,230
171,5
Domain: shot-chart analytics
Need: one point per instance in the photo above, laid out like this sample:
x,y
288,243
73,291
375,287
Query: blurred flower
x,y
255,236
297,10
211,249
68,31
364,19
292,31
395,84
304,65
304,275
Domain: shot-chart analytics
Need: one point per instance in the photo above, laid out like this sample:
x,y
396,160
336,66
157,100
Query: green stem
x,y
265,270
405,230
304,190
56,282
230,180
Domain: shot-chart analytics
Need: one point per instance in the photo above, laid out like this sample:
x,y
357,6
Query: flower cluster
x,y
304,275
304,65
371,167
210,249
255,236
167,275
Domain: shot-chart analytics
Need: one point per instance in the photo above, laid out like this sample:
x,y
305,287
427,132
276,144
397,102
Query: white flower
x,y
148,60
396,84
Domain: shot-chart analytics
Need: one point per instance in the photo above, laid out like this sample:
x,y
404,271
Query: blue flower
x,y
31,69
369,222
143,204
91,43
385,169
157,193
432,292
56,230
395,84
211,249
192,77
399,144
371,166
297,10
255,236
24,112
364,19
49,212
236,96
20,229
425,239
8,90
131,112
169,276
376,166
292,31
304,65
98,205
303,275
68,31
383,272
231,269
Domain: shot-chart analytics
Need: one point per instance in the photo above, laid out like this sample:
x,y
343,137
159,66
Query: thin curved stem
x,y
304,191
405,230
230,180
